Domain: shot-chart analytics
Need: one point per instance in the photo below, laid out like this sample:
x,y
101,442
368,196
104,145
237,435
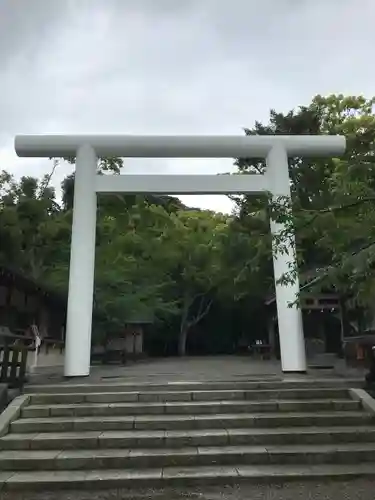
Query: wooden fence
x,y
13,362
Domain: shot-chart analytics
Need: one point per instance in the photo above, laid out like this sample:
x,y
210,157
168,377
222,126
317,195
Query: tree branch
x,y
316,213
341,207
48,177
201,312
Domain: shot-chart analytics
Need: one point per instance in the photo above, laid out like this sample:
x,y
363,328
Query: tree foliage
x,y
332,198
155,258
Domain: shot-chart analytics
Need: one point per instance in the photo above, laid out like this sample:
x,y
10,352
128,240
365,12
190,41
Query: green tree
x,y
332,198
128,282
28,211
155,258
191,253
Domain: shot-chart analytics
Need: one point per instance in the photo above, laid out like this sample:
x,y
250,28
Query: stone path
x,y
204,368
173,369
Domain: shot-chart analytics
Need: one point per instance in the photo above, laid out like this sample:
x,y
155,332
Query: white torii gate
x,y
87,149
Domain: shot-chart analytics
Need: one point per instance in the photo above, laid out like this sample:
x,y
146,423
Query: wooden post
x,y
272,336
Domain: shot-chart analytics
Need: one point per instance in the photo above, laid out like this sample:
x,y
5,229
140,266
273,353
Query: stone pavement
x,y
203,368
312,490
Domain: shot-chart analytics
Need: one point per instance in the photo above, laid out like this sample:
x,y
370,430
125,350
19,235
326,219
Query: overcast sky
x,y
172,67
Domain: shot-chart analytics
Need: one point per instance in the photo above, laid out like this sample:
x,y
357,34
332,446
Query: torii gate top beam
x,y
178,146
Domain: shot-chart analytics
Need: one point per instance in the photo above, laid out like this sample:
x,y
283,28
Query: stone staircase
x,y
135,436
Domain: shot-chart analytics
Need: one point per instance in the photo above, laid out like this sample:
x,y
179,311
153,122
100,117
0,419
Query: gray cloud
x,y
25,26
168,66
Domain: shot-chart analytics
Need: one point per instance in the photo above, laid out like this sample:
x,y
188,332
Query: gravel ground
x,y
335,490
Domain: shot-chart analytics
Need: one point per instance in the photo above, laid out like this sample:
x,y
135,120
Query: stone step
x,y
287,383
203,421
174,439
178,476
184,395
186,408
47,460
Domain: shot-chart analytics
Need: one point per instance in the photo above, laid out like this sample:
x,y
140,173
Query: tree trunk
x,y
184,327
182,342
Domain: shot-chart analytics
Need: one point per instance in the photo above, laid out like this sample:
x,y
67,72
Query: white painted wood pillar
x,y
292,343
82,266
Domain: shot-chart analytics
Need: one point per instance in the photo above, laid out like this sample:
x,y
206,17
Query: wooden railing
x,y
13,363
22,343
